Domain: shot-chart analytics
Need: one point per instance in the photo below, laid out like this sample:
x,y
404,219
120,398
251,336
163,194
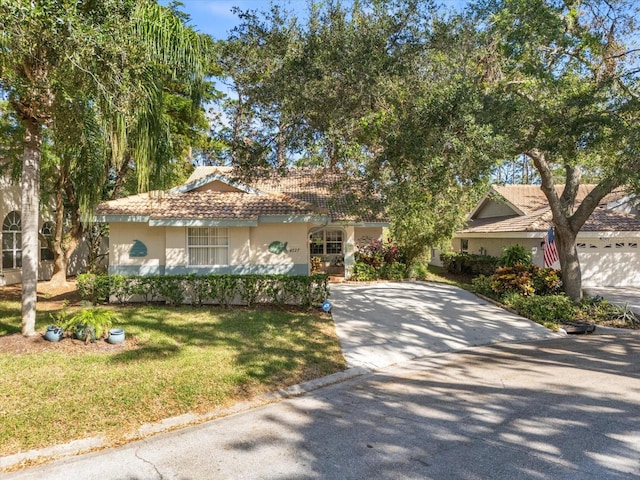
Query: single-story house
x,y
215,224
608,243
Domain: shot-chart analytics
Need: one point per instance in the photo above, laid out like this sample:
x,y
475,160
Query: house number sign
x,y
279,247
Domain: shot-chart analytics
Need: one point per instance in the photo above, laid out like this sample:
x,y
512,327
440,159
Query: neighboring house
x,y
11,237
608,243
212,224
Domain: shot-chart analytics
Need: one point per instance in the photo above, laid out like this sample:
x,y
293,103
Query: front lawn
x,y
174,361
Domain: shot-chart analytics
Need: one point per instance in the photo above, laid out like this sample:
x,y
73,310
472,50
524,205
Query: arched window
x,y
12,241
46,241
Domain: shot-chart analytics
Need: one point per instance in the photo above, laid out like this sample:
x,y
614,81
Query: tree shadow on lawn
x,y
264,342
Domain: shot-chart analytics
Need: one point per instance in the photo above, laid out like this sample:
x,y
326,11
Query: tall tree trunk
x,y
65,245
569,219
30,216
59,276
569,262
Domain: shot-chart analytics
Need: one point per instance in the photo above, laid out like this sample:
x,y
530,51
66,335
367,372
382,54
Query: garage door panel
x,y
607,267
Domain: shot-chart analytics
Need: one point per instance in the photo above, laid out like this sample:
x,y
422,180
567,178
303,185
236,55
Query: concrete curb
x,y
600,330
86,445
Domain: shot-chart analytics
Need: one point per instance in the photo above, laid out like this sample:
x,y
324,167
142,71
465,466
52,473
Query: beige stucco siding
x,y
363,235
122,237
239,246
494,246
295,236
176,246
494,209
248,250
217,186
10,200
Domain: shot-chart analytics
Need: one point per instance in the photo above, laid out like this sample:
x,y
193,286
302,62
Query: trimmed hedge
x,y
469,263
544,309
225,290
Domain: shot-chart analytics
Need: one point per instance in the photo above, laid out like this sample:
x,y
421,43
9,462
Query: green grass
x,y
441,275
186,360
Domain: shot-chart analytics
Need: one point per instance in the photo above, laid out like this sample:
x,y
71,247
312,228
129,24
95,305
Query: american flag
x,y
550,250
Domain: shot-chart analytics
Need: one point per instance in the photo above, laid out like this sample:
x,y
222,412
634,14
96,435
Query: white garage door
x,y
609,262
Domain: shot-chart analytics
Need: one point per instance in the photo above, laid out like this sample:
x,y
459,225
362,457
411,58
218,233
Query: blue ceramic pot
x,y
53,333
84,331
116,335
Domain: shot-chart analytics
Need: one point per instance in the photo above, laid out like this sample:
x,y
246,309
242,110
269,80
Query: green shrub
x,y
482,285
252,288
93,287
393,271
468,263
526,280
120,287
598,309
363,272
172,288
94,322
514,255
516,279
214,288
546,281
419,271
548,309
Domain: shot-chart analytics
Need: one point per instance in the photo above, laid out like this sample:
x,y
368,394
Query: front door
x,y
327,251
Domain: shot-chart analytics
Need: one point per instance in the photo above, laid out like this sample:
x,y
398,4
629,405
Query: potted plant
x,y
90,323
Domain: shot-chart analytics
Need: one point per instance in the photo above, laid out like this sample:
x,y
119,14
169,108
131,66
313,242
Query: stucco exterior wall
x,y
122,237
494,209
363,235
10,197
248,250
494,246
297,251
217,186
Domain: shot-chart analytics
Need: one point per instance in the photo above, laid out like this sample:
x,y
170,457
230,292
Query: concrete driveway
x,y
382,324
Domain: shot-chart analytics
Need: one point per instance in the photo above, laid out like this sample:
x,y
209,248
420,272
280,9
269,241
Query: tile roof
x,y
300,192
531,198
537,214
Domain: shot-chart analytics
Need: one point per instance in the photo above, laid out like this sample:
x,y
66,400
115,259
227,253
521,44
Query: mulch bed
x,y
52,298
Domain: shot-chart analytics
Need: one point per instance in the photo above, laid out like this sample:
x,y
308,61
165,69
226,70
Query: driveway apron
x,y
384,324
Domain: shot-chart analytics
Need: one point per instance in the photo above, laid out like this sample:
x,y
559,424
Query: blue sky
x,y
215,17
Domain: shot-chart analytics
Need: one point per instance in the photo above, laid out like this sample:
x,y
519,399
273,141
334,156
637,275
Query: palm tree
x,y
54,53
